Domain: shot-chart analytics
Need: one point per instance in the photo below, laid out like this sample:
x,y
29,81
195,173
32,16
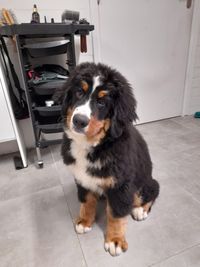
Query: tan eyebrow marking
x,y
84,86
102,93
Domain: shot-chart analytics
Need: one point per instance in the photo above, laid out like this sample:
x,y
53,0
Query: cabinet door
x,y
148,42
6,128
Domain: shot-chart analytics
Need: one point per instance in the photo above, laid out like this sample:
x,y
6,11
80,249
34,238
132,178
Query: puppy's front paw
x,y
116,246
139,214
82,227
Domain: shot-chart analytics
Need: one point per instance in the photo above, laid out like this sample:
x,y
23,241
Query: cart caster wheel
x,y
40,165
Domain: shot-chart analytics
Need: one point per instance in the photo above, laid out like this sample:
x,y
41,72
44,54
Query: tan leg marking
x,y
115,241
137,200
87,214
106,183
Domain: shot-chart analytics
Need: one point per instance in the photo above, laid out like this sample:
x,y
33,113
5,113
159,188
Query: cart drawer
x,y
49,111
51,128
49,87
43,49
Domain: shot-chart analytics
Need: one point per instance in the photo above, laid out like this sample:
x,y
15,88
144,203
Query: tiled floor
x,y
38,206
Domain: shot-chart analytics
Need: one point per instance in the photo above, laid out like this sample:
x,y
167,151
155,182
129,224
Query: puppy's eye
x,y
79,93
101,103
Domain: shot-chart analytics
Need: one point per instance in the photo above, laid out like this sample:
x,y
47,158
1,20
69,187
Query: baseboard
x,y
8,147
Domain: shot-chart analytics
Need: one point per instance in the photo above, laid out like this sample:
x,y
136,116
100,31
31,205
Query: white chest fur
x,y
79,151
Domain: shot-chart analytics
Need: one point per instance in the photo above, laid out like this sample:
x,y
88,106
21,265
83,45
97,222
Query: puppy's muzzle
x,y
80,122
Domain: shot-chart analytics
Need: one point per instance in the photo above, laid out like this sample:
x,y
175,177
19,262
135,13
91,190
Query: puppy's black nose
x,y
80,121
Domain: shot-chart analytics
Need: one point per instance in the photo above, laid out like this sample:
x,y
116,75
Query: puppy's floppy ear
x,y
124,108
58,95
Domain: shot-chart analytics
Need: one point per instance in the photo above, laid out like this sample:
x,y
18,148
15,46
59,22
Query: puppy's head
x,y
98,102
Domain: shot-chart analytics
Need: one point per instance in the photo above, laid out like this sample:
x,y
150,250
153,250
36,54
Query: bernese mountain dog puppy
x,y
105,152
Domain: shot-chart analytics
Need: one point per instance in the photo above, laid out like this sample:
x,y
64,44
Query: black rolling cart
x,y
46,40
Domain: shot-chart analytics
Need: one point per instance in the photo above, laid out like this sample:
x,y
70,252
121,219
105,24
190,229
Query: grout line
x,y
69,210
31,167
190,193
70,213
174,255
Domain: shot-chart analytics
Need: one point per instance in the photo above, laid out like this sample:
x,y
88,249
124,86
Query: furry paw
x,y
139,214
81,229
116,246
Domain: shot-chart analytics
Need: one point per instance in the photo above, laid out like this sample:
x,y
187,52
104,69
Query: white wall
x,y
195,89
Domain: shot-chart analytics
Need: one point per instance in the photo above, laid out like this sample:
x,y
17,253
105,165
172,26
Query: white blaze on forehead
x,y
83,109
96,82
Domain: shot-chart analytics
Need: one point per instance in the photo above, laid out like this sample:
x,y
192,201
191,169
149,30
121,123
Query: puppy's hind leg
x,y
144,199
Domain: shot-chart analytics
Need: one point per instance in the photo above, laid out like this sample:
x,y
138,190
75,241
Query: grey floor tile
x,y
56,152
27,181
194,189
163,128
7,163
173,144
70,192
45,153
169,137
189,258
183,169
189,122
37,231
177,166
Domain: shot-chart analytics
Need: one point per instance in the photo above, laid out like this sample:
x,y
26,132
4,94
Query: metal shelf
x,y
36,95
45,29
